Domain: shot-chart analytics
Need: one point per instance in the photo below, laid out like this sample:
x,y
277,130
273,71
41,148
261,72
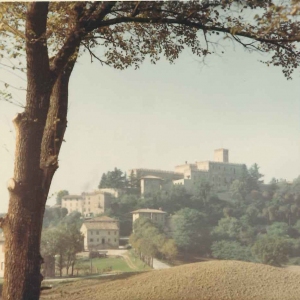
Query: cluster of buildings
x,y
220,173
103,232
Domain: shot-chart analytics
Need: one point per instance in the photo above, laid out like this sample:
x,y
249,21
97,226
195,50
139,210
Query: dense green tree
x,y
54,215
60,195
239,190
121,209
202,192
115,179
228,228
189,230
149,241
133,184
296,189
272,250
169,250
65,241
279,229
74,243
231,250
250,180
254,179
234,229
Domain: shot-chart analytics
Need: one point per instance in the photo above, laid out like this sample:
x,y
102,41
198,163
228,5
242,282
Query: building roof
x,y
155,171
72,197
151,177
186,164
96,192
221,149
101,219
101,225
148,210
104,222
220,163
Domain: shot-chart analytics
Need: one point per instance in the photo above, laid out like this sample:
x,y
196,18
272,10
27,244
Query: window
x,y
108,240
115,233
97,232
97,240
109,233
115,240
91,232
91,240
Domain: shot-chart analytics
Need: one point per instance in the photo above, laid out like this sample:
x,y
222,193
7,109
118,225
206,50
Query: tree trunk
x,y
39,135
23,223
38,145
72,268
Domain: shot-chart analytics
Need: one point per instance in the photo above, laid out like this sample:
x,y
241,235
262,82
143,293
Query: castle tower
x,y
221,155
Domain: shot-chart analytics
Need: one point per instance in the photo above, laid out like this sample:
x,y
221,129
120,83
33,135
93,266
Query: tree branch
x,y
92,54
188,23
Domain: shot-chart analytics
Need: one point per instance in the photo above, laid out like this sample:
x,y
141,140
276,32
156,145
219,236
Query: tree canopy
x,y
115,179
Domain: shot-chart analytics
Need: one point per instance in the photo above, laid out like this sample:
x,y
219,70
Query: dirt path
x,y
129,262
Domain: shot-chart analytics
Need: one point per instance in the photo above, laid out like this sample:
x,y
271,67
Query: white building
x,y
88,204
100,233
156,215
220,173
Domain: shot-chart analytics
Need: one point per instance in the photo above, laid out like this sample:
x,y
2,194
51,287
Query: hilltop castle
x,y
220,173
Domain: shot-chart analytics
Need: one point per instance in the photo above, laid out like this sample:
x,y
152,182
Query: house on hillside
x,y
156,215
88,204
100,233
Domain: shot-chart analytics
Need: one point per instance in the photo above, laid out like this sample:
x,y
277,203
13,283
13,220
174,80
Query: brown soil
x,y
214,280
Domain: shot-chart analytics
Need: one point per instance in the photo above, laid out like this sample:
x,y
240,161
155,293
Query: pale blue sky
x,y
161,116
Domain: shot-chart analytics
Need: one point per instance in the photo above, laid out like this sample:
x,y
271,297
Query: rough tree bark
x,y
39,135
23,222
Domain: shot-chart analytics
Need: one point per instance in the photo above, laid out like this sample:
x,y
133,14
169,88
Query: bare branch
x,y
92,54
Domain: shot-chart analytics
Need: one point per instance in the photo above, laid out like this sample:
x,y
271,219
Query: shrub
x,y
272,250
231,250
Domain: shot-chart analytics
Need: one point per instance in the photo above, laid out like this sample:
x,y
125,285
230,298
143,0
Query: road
x,y
159,265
